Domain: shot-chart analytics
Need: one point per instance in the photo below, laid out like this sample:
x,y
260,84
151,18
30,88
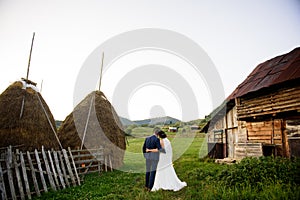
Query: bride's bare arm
x,y
162,144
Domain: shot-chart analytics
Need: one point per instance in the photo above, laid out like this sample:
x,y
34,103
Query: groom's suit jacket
x,y
152,142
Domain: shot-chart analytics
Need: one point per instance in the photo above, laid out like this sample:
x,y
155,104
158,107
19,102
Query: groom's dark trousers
x,y
151,166
152,158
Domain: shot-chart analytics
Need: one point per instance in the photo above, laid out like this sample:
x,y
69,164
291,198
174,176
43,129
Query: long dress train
x,y
166,177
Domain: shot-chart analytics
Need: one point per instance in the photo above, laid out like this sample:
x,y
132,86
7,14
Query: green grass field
x,y
205,179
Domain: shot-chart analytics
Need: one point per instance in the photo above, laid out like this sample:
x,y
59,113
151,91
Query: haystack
x,y
94,123
25,119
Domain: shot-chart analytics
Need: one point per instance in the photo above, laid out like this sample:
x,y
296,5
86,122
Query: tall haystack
x,y
92,124
25,119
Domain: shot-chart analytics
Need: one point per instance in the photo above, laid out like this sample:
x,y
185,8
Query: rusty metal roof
x,y
277,70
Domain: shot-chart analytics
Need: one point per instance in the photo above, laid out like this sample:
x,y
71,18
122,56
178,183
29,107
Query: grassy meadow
x,y
265,178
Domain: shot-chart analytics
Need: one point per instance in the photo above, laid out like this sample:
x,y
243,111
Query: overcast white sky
x,y
236,35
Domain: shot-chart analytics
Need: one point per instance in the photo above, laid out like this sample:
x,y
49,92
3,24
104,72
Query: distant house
x,y
173,129
262,115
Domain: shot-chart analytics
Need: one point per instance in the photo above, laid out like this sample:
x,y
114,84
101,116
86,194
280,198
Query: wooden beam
x,y
30,56
101,70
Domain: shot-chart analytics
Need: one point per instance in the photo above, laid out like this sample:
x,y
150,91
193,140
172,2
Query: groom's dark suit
x,y
152,158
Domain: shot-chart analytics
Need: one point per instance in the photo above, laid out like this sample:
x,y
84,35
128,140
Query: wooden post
x,y
98,159
41,170
9,165
41,87
76,174
36,186
61,178
52,184
25,175
110,164
2,185
69,166
79,159
99,167
105,164
272,134
285,141
101,70
30,56
19,180
63,168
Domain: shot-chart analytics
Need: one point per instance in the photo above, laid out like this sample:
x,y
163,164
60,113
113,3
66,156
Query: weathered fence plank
x,y
9,166
100,158
63,168
40,170
25,177
56,170
18,178
52,184
76,174
53,169
32,169
88,160
2,185
69,167
60,175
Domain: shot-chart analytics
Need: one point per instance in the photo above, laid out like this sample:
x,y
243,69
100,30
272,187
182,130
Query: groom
x,y
152,158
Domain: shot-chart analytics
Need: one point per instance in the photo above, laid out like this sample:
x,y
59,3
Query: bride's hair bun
x,y
162,134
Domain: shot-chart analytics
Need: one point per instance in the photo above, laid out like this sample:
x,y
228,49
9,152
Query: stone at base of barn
x,y
227,161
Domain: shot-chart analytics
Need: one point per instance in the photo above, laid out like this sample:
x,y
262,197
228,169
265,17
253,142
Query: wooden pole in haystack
x,y
87,122
30,56
92,99
101,70
41,86
26,80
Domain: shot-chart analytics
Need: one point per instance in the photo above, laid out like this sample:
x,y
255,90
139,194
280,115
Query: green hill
x,y
157,121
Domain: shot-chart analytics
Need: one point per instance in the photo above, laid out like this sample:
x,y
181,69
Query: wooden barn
x,y
262,115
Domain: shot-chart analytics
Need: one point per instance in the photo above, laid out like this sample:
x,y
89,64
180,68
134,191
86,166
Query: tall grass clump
x,y
257,172
252,178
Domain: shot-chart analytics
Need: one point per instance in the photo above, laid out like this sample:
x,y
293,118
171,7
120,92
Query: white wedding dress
x,y
166,177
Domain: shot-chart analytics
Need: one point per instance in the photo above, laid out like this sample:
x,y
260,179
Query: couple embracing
x,y
160,173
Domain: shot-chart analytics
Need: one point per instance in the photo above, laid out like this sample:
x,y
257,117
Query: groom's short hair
x,y
156,130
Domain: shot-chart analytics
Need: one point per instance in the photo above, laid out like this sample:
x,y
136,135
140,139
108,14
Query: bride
x,y
166,177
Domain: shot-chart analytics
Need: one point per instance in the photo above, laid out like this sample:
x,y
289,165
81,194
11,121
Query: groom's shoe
x,y
147,189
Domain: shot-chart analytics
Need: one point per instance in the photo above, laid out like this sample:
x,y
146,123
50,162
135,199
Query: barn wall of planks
x,y
271,134
270,103
267,115
26,174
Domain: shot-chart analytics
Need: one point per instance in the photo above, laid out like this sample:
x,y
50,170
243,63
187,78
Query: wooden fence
x,y
23,175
